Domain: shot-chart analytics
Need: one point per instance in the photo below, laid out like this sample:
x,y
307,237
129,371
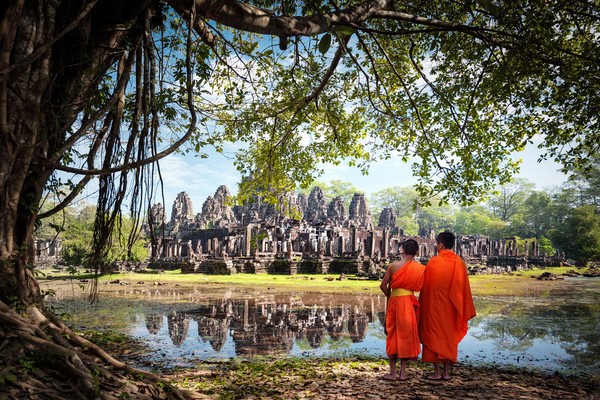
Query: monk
x,y
399,283
446,306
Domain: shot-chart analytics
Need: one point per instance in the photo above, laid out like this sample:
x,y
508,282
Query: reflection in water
x,y
265,326
558,336
154,322
213,331
559,333
178,327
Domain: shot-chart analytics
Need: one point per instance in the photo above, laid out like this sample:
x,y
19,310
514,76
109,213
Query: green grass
x,y
518,283
318,283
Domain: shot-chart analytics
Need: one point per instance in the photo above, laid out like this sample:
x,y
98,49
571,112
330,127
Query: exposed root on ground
x,y
41,357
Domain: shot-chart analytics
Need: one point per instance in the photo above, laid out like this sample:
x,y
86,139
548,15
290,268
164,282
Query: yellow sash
x,y
401,292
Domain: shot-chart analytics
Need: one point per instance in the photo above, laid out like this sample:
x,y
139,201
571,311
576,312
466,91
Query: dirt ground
x,y
361,379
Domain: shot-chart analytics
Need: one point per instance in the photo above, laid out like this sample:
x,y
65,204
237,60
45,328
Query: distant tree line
x,y
565,218
75,228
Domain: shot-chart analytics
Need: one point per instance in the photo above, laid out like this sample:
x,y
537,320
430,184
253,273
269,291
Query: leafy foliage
x,y
408,92
77,234
564,218
510,198
579,236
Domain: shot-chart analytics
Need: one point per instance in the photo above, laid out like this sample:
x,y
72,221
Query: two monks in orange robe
x,y
445,303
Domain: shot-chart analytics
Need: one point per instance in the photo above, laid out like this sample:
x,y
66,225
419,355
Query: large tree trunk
x,y
23,145
42,89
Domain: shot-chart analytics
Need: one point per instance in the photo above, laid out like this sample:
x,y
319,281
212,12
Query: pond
x,y
556,333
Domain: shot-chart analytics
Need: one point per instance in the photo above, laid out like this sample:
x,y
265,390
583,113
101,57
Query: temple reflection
x,y
154,322
266,326
178,327
557,331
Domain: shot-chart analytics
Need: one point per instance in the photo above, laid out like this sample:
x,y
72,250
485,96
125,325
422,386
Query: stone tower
x,y
317,206
359,214
183,210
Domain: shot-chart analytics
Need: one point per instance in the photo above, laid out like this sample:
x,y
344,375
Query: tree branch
x,y
244,16
68,199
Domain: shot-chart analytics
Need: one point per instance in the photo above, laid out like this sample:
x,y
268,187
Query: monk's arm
x,y
385,282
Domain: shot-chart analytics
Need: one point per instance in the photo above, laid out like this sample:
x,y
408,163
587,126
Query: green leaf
x,y
344,29
325,43
488,6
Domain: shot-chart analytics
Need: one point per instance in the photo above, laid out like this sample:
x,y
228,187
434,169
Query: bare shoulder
x,y
396,265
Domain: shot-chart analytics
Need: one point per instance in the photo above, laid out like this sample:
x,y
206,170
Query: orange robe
x,y
446,306
401,320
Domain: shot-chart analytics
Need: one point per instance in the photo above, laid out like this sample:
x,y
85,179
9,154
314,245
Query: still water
x,y
559,332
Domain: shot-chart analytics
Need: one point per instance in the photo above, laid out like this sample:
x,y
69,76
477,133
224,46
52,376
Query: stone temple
x,y
300,235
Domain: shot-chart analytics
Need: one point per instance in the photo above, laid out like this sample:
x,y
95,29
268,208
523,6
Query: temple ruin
x,y
325,237
47,252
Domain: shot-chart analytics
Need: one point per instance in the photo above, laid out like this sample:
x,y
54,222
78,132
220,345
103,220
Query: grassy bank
x,y
520,283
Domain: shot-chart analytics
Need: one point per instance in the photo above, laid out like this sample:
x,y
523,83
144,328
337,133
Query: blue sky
x,y
200,178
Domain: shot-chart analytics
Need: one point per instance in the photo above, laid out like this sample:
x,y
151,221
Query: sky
x,y
200,178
